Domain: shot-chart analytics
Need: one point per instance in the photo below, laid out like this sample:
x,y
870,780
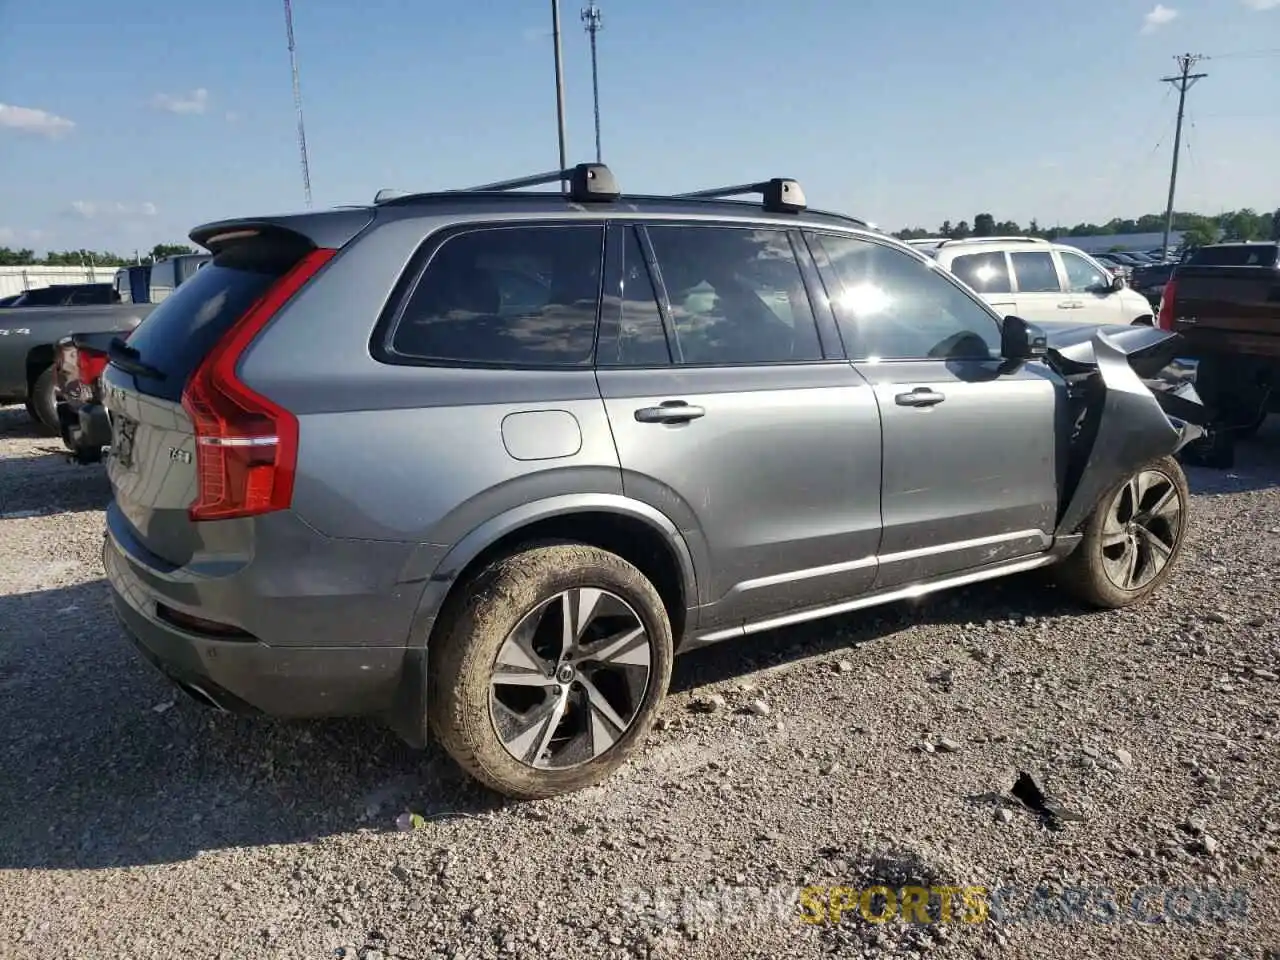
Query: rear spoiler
x,y
332,229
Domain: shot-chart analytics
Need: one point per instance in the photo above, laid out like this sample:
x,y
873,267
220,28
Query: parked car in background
x,y
484,461
151,283
29,337
1150,280
68,295
82,416
10,300
1042,281
1224,300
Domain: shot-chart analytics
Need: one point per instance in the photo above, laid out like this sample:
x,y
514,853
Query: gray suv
x,y
481,462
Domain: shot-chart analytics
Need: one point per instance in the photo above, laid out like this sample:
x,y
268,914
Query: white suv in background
x,y
1038,280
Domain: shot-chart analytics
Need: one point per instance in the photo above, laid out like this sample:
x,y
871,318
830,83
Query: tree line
x,y
1243,224
10,257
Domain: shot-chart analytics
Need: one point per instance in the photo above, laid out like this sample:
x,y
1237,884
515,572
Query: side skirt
x,y
1062,546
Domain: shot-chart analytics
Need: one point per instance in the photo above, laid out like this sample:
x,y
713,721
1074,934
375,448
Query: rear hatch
x,y
190,443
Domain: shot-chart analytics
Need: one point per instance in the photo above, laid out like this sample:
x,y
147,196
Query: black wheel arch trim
x,y
471,546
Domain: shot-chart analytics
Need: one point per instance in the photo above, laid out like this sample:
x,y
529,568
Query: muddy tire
x,y
1132,540
43,403
547,672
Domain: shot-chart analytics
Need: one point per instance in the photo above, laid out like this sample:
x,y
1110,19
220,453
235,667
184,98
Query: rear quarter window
x,y
525,296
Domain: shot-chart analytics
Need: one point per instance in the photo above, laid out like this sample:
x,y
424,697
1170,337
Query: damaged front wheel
x,y
1131,540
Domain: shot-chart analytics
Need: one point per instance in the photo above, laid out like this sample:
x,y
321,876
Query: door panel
x,y
1091,285
1041,296
970,444
970,479
777,469
780,477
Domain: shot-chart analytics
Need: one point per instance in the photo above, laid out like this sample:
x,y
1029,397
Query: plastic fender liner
x,y
1132,429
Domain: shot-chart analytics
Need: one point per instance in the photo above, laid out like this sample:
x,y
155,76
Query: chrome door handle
x,y
919,397
1071,305
670,411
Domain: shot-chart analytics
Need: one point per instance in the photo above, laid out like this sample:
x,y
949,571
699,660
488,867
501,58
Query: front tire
x,y
43,405
1132,540
549,670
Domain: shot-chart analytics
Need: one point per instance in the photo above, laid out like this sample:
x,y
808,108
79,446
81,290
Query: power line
x,y
297,103
1184,81
594,24
1246,55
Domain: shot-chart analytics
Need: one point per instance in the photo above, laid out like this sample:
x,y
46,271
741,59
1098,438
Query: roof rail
x,y
587,182
781,194
947,243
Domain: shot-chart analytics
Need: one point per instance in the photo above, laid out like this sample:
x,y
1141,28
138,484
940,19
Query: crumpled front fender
x,y
1131,421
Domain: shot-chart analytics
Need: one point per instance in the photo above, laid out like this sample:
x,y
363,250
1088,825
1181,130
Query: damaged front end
x,y
1130,401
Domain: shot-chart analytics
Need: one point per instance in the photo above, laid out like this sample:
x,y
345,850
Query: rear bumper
x,y
85,429
247,675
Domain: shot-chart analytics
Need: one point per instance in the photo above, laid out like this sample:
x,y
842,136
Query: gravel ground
x,y
881,751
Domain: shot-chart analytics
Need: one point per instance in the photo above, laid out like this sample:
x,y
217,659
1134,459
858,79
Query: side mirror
x,y
1117,283
1020,340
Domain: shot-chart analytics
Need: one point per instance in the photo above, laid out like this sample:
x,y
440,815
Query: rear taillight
x,y
246,446
1164,319
89,364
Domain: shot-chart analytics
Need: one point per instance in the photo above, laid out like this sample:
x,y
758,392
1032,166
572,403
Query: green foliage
x,y
10,257
1243,224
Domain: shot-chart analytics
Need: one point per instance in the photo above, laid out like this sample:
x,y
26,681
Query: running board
x,y
893,595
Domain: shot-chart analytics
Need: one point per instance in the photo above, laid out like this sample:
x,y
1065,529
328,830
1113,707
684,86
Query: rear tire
x,y
43,404
575,704
1132,540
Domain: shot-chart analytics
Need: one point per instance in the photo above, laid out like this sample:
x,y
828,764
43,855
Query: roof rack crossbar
x,y
781,194
587,181
536,180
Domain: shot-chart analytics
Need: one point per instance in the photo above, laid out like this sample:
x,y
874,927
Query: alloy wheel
x,y
570,679
1142,529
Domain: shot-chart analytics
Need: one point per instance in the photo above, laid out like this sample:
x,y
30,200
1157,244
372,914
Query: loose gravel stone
x,y
129,832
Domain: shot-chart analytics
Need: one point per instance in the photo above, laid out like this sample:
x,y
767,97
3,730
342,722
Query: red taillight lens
x,y
1164,320
90,364
246,446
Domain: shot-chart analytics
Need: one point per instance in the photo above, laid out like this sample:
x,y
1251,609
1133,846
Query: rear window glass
x,y
181,331
1253,255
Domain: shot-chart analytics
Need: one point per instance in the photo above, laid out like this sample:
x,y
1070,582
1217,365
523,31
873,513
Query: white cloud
x,y
16,237
93,210
1262,4
197,101
30,120
1157,17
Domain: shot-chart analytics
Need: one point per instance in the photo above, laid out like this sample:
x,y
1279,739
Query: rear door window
x,y
985,272
176,336
1035,272
510,296
736,296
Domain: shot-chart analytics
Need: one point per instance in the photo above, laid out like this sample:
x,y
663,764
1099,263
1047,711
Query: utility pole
x,y
592,21
1184,81
297,103
555,33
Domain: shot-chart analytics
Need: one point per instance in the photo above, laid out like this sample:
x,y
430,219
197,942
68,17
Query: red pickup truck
x,y
1225,302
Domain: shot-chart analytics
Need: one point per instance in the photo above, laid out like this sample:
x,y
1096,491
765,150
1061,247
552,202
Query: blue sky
x,y
125,124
